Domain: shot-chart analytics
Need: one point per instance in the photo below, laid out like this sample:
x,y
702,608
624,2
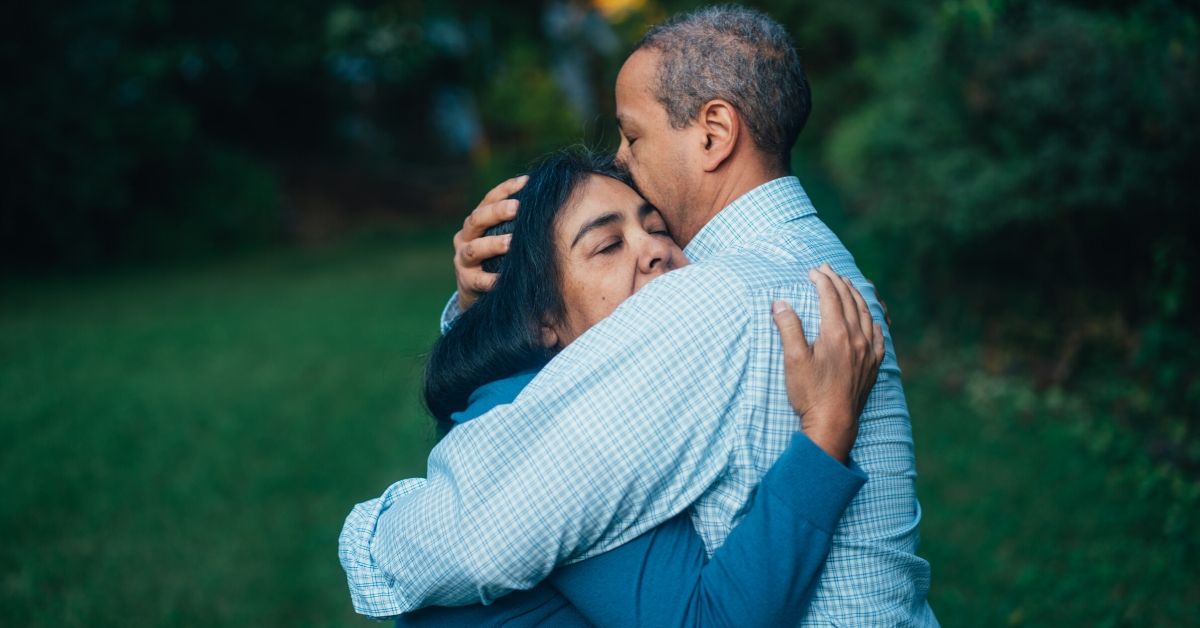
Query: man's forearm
x,y
607,442
370,587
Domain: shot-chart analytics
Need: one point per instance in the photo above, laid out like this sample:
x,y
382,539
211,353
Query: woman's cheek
x,y
608,294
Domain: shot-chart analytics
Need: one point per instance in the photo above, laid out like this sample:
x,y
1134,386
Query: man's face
x,y
655,154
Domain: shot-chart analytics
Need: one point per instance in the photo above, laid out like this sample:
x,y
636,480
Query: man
x,y
678,398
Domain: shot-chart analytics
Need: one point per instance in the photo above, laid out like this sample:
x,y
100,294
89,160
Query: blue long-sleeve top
x,y
764,574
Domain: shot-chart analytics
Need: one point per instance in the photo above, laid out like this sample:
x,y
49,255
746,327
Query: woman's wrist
x,y
834,435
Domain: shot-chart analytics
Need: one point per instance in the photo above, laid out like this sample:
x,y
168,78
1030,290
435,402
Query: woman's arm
x,y
766,571
764,574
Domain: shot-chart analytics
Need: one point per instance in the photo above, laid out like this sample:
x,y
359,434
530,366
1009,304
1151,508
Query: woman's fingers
x,y
855,314
865,322
796,350
877,344
830,302
849,312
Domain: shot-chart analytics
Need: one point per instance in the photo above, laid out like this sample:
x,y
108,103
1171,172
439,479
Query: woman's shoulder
x,y
495,393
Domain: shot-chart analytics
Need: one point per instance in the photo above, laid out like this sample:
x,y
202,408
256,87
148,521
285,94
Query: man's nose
x,y
621,155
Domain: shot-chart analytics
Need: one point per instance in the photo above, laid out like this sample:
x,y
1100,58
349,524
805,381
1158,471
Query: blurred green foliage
x,y
152,129
127,126
1026,167
1061,129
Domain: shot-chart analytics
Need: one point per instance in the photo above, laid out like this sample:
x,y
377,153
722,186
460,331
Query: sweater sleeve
x,y
763,575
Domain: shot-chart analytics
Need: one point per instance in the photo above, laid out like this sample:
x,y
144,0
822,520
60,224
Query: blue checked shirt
x,y
676,400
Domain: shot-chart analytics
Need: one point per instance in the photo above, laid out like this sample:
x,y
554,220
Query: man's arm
x,y
764,574
370,588
621,431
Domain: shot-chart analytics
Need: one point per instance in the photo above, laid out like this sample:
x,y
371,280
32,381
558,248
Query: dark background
x,y
224,238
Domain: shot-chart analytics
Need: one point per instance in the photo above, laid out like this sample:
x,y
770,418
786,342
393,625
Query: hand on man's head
x,y
472,246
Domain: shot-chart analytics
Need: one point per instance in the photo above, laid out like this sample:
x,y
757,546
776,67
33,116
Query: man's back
x,y
768,241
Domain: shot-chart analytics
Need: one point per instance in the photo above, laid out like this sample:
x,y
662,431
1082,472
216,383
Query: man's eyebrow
x,y
646,209
600,221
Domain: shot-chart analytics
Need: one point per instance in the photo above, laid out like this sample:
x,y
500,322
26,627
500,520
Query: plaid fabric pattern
x,y
677,400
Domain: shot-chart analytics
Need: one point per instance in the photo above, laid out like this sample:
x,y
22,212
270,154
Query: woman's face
x,y
610,242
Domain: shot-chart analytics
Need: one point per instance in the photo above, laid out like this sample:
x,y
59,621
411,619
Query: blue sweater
x,y
763,575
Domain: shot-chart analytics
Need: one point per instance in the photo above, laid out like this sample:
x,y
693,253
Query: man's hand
x,y
828,382
472,247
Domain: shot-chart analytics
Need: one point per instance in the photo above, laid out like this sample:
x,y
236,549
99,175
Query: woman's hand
x,y
828,382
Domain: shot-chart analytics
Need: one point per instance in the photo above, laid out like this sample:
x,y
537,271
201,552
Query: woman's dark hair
x,y
501,334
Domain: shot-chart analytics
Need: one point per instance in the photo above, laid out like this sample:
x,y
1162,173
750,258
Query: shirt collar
x,y
772,203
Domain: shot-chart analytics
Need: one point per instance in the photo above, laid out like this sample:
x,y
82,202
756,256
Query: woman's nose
x,y
655,257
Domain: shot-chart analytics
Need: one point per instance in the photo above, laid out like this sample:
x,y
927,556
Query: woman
x,y
583,242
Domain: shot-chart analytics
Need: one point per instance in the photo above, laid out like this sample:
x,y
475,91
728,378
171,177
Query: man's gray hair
x,y
738,55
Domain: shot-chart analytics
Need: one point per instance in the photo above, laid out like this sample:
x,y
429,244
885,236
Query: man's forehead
x,y
639,71
635,83
632,116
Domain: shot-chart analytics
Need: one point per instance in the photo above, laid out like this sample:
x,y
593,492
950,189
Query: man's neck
x,y
725,190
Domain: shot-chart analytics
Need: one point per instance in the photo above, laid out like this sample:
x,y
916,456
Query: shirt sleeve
x,y
451,312
370,588
621,431
764,574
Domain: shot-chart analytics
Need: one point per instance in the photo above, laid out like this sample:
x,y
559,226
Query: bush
x,y
1027,170
1031,118
134,128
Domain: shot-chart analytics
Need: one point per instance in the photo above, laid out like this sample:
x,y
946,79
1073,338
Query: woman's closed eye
x,y
610,247
656,227
652,221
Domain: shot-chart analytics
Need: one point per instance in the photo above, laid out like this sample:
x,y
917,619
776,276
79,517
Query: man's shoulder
x,y
763,265
780,258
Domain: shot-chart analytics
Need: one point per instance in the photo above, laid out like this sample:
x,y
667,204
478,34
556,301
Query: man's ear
x,y
721,127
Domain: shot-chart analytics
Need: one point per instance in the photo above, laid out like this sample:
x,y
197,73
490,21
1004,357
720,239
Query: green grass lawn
x,y
179,447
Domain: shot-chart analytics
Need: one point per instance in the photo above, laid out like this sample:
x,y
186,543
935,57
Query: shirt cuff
x,y
809,480
372,591
451,312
